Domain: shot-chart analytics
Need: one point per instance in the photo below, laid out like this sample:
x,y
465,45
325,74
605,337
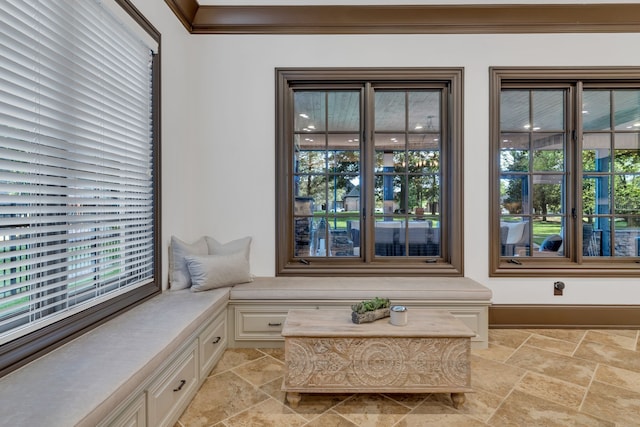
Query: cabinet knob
x,y
216,340
275,324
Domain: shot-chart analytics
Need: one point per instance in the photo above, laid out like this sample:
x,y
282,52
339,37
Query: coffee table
x,y
326,353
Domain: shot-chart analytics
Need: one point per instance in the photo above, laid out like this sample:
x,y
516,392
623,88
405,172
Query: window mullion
x,y
574,168
366,172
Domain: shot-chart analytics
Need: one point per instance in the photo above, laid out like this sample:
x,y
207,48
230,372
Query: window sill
x,y
544,267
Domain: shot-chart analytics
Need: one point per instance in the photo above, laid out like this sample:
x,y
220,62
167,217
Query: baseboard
x,y
565,316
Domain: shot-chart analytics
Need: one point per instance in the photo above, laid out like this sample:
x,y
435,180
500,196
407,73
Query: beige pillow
x,y
239,245
216,271
179,277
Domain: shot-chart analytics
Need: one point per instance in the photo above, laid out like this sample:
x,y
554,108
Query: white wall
x,y
178,177
218,131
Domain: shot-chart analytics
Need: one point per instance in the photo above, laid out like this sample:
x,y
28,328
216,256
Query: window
x,y
566,173
369,171
78,170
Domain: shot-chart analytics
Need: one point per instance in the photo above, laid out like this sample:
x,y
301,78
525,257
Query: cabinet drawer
x,y
173,389
259,324
133,415
213,341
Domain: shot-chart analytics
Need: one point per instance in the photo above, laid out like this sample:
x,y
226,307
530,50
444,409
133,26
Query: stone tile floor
x,y
537,377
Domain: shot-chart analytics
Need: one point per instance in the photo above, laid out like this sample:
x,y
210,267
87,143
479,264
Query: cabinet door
x,y
213,341
171,392
259,323
132,415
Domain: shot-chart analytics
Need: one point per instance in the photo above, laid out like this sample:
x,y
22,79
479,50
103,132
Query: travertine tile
x,y
434,413
611,338
513,338
618,377
522,409
570,335
233,357
277,353
552,389
552,344
577,371
260,371
609,355
369,410
219,397
269,413
410,400
274,389
479,404
630,333
330,419
613,403
495,377
495,352
312,404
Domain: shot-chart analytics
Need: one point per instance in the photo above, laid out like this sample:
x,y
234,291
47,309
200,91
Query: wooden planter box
x,y
369,316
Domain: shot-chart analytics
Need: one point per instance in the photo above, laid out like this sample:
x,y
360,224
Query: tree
x,y
512,184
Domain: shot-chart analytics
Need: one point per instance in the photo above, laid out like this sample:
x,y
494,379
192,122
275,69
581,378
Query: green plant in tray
x,y
371,305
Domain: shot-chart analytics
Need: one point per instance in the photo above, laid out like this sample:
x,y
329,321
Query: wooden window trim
x,y
547,267
453,247
408,19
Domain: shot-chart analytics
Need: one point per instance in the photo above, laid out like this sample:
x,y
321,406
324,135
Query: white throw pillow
x,y
239,245
179,277
216,271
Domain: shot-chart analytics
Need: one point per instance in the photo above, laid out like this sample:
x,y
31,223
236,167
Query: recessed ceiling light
x,y
304,116
418,127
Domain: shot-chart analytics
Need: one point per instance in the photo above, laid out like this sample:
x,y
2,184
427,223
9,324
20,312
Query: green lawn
x,y
542,229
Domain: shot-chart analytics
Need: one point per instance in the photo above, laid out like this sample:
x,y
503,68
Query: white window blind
x,y
76,161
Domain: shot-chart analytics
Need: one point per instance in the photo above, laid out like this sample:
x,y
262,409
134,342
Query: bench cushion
x,y
355,288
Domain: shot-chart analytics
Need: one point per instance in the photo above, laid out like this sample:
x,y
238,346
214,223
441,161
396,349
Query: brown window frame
x,y
450,263
574,264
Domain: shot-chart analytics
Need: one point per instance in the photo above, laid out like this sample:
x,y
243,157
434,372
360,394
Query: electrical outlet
x,y
558,287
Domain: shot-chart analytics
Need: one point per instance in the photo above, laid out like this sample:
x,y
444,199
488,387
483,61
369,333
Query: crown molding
x,y
185,11
408,19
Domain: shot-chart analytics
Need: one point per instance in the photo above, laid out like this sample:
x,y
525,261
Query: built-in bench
x,y
144,366
126,364
257,309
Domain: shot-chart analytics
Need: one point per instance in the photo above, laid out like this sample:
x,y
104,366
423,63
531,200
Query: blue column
x,y
603,164
387,188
